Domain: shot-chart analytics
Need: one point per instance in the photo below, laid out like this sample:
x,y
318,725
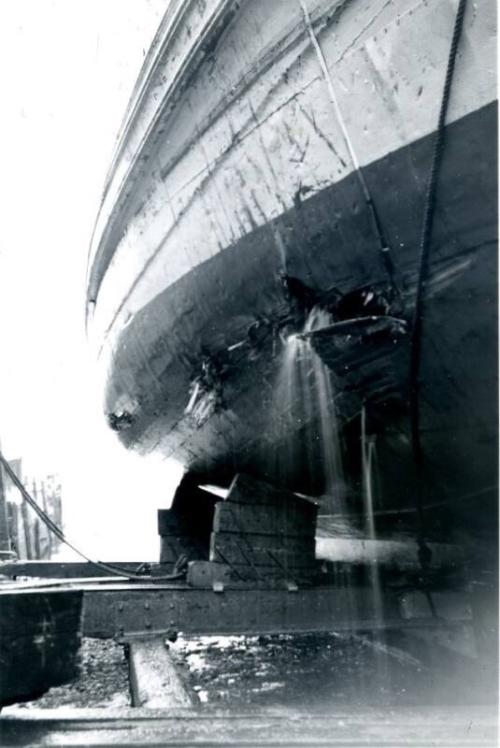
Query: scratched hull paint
x,y
237,167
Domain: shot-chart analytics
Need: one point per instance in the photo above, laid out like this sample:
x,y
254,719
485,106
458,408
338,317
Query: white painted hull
x,y
238,163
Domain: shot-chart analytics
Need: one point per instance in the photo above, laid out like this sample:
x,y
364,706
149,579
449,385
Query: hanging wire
x,y
58,532
372,211
425,246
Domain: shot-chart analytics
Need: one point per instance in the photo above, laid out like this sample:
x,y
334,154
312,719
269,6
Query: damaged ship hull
x,y
275,158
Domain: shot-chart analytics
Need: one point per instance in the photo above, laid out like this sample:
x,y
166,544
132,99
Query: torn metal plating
x,y
120,421
205,393
368,303
369,312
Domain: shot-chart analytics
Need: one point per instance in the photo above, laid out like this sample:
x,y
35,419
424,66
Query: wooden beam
x,y
264,520
397,554
301,544
262,531
154,680
241,553
248,490
207,574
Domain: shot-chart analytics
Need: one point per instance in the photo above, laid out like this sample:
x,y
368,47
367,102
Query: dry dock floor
x,y
329,689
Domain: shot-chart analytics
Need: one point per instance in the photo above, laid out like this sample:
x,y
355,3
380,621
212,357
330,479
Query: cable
x,y
377,226
425,244
44,517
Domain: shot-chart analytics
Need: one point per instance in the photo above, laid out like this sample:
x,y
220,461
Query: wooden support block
x,y
182,534
264,532
242,573
169,552
206,573
192,508
172,523
238,553
265,520
300,544
154,680
171,547
168,522
400,554
248,490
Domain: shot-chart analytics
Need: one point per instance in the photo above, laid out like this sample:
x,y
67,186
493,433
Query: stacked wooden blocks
x,y
263,532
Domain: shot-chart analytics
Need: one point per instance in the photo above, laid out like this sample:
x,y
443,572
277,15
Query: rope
x,y
51,525
425,245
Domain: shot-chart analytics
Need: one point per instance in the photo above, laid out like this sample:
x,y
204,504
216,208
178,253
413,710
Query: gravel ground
x,y
319,672
313,672
103,680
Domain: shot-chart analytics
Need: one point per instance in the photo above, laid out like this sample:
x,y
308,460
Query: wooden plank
x,y
271,576
191,512
265,520
206,574
169,552
173,525
248,490
210,574
401,554
154,680
173,546
300,543
303,511
240,553
168,522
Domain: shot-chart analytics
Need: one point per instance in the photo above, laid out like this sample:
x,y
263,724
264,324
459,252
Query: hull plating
x,y
254,181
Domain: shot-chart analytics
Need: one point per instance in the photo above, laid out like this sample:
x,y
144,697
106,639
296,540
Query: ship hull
x,y
192,332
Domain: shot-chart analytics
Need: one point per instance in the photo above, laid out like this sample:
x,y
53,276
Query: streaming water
x,y
368,457
309,451
309,447
368,465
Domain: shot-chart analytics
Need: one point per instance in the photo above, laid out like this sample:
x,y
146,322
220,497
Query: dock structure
x,y
252,568
144,617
